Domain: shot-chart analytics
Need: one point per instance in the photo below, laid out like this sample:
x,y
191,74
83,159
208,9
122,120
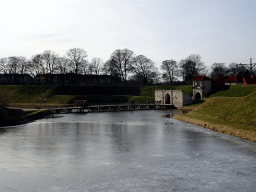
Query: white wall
x,y
178,98
158,96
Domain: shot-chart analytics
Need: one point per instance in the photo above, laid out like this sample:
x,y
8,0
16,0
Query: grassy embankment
x,y
232,111
28,96
46,96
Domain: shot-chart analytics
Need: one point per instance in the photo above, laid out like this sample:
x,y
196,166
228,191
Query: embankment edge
x,y
220,128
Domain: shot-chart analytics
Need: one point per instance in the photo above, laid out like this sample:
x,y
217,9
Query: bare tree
x,y
13,67
3,65
120,60
23,68
6,69
218,69
109,68
156,78
235,69
49,59
170,70
62,68
84,69
143,68
191,67
181,69
77,58
37,67
62,65
95,66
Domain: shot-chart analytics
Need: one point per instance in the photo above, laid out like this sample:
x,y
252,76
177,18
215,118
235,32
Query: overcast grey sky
x,y
218,30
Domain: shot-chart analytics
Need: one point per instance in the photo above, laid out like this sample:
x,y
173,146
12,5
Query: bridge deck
x,y
109,108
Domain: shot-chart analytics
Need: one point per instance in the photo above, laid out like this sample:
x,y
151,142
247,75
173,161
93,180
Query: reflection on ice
x,y
125,151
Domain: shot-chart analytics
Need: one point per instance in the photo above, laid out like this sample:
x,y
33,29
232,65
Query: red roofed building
x,y
202,84
234,80
240,80
201,77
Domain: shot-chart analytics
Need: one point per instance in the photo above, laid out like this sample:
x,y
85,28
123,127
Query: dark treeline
x,y
122,68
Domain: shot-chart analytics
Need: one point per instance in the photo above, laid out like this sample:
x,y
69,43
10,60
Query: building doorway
x,y
197,96
167,99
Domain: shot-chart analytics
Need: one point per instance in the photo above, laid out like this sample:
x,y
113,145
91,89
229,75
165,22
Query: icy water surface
x,y
123,151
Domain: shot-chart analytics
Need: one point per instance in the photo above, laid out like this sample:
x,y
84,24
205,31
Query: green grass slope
x,y
235,91
237,112
25,94
15,94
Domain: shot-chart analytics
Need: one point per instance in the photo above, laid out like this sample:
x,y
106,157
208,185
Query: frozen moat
x,y
123,151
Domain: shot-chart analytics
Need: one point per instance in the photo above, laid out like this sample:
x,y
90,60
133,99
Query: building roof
x,y
245,79
201,77
234,78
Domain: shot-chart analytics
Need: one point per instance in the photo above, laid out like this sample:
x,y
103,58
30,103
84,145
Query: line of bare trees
x,y
123,63
187,69
192,66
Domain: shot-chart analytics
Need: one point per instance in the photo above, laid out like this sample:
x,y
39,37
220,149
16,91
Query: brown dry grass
x,y
220,128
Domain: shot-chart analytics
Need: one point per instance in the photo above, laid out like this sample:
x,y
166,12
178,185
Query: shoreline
x,y
220,128
26,119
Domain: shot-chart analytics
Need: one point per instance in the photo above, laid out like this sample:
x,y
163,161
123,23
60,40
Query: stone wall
x,y
178,98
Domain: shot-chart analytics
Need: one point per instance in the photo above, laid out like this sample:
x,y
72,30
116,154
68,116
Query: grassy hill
x,y
229,91
31,95
25,94
235,112
44,95
239,110
235,91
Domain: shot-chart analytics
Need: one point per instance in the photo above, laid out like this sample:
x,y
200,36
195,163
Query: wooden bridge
x,y
109,108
